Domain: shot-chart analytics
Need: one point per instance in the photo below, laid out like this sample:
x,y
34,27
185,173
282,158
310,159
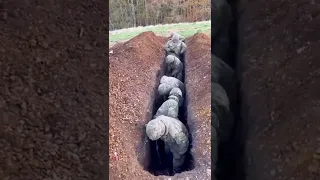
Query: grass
x,y
185,29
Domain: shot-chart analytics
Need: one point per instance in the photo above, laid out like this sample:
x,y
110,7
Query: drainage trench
x,y
231,155
157,162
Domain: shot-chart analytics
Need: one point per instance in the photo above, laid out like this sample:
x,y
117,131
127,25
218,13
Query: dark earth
x,y
54,88
279,69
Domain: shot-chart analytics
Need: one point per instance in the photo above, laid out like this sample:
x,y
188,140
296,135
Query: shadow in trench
x,y
231,155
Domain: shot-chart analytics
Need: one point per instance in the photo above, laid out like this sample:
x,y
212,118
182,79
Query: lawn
x,y
185,29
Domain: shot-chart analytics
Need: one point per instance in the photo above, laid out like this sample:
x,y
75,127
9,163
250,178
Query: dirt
x,y
198,88
133,74
53,95
280,75
133,78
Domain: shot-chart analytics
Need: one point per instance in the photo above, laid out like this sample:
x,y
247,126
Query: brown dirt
x,y
280,88
53,117
133,78
198,80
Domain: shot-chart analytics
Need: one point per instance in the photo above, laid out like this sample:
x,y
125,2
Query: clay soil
x,y
280,75
134,68
53,95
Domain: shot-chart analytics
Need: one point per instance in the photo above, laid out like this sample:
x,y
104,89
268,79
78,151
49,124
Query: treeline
x,y
133,13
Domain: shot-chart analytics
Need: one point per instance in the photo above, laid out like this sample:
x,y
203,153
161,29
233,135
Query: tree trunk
x,y
133,14
110,22
146,12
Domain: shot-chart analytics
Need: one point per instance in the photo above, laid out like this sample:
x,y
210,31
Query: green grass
x,y
185,29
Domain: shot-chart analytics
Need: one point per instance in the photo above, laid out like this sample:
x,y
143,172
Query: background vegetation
x,y
133,13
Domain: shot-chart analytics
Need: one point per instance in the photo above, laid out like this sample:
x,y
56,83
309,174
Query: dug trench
x,y
230,164
157,161
133,98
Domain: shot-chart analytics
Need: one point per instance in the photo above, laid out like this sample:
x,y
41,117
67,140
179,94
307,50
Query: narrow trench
x,y
231,155
157,162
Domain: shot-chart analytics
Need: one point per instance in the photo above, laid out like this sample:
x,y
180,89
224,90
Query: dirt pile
x,y
198,90
133,70
53,93
280,88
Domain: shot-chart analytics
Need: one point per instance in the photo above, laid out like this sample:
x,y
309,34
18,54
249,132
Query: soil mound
x,y
200,38
199,42
141,47
133,76
198,87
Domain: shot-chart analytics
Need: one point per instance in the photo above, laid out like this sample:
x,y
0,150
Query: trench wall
x,y
198,90
279,70
134,73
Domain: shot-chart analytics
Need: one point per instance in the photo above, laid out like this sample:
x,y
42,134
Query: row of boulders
x,y
223,80
165,124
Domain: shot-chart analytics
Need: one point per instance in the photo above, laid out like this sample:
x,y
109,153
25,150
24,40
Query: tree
x,y
132,13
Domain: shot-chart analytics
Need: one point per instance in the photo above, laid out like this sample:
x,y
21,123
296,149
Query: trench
x,y
231,154
155,160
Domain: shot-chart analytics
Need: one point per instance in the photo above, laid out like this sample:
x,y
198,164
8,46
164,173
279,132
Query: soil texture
x,y
53,94
280,85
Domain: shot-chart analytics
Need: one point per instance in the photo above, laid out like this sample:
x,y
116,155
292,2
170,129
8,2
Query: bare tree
x,y
132,13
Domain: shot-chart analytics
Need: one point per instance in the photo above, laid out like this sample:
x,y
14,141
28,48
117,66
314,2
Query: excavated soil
x,y
198,90
53,94
280,75
134,74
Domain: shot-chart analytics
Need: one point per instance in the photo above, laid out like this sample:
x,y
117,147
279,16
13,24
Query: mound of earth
x,y
134,66
280,88
198,88
53,93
